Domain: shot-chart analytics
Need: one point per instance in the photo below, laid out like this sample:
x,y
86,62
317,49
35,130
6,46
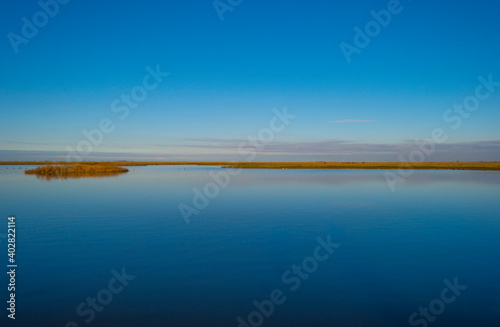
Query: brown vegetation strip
x,y
76,170
369,165
283,165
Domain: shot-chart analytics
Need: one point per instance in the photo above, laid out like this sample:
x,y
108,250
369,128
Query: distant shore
x,y
490,166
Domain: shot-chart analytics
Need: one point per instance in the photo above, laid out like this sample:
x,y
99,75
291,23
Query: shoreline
x,y
481,166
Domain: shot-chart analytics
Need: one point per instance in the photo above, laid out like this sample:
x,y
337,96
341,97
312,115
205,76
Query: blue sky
x,y
225,78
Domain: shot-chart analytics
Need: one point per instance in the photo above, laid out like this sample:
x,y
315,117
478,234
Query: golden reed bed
x,y
102,165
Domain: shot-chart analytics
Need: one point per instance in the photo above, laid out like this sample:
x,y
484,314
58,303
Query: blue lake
x,y
273,248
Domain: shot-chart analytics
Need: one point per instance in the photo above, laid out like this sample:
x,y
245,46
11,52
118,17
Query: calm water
x,y
396,249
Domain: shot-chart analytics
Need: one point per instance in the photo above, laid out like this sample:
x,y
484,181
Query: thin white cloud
x,y
351,121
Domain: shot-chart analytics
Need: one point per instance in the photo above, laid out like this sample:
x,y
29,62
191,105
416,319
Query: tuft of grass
x,y
75,171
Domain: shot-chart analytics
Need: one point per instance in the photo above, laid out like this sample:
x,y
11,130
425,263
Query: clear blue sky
x,y
227,76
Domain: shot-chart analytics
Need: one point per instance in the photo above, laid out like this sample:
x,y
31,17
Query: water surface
x,y
396,248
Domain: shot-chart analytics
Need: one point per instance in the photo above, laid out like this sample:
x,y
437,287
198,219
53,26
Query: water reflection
x,y
346,177
49,178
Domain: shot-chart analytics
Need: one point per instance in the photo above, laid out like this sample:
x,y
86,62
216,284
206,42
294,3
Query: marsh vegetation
x,y
76,171
116,166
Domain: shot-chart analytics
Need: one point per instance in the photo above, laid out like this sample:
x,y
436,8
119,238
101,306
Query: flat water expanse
x,y
307,247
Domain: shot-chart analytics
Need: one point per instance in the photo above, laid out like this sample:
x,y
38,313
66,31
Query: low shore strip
x,y
487,166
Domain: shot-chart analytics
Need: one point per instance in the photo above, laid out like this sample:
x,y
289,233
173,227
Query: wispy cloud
x,y
351,121
26,143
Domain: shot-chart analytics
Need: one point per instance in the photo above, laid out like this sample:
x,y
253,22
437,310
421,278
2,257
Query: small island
x,y
76,171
